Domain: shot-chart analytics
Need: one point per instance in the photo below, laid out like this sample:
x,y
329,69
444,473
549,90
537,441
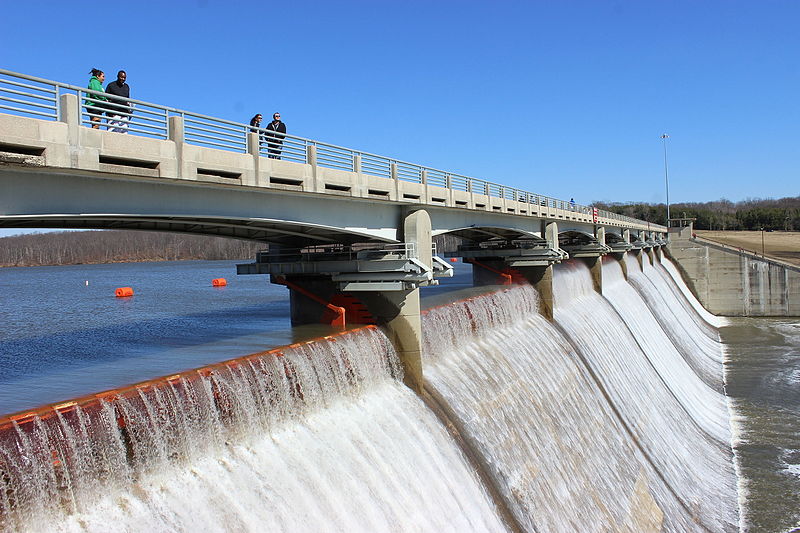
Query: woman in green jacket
x,y
92,103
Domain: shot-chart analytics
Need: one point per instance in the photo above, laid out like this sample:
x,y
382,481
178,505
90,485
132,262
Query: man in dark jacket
x,y
119,110
276,131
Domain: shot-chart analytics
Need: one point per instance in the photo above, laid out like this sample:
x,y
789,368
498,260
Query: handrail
x,y
745,252
232,136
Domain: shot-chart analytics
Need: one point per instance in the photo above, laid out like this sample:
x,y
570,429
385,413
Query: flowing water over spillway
x,y
610,418
583,424
322,438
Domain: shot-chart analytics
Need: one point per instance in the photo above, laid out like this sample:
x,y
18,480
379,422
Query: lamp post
x,y
664,138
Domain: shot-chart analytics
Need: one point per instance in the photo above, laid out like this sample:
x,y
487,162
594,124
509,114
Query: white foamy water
x,y
672,270
699,468
550,440
706,406
323,438
696,340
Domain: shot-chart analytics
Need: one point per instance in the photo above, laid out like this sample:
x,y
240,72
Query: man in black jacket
x,y
276,131
119,110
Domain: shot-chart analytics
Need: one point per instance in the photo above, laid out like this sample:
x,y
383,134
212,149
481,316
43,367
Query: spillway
x,y
611,417
323,437
583,424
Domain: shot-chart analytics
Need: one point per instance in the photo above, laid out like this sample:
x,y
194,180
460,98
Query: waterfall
x,y
701,311
576,426
705,405
552,444
675,437
696,339
318,437
612,417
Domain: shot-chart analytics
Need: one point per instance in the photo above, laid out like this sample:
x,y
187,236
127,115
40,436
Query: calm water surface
x,y
62,338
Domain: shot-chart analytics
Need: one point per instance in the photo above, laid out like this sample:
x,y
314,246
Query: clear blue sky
x,y
563,98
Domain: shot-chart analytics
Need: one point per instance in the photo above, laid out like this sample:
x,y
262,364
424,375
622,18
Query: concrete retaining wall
x,y
734,283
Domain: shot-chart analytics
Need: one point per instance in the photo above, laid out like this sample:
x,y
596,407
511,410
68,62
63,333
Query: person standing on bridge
x,y
255,122
276,131
119,111
93,102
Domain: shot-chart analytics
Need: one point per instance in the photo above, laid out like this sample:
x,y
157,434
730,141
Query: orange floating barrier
x,y
219,282
123,292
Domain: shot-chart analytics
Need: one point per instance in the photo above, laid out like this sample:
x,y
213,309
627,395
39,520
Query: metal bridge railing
x,y
30,96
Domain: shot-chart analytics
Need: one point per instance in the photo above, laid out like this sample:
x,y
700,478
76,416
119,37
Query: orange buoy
x,y
123,292
219,282
454,259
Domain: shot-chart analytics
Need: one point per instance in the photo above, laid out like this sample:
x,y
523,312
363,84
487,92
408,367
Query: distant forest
x,y
85,247
82,247
750,214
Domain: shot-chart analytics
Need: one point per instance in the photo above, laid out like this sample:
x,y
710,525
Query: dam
x,y
611,416
577,383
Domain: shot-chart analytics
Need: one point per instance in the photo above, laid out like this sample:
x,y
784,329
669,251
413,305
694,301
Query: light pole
x,y
664,138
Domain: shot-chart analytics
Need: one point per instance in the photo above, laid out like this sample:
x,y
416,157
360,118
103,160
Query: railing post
x,y
311,156
423,176
70,114
362,187
395,180
254,149
311,159
176,135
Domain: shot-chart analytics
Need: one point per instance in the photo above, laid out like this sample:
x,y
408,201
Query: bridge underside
x,y
69,199
251,229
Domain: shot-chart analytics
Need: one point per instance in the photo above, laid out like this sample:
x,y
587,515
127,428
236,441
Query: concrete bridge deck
x,y
56,173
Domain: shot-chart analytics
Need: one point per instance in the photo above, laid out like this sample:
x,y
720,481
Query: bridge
x,y
342,225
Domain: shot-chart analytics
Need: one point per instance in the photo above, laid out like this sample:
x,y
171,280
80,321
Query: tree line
x,y
117,246
83,247
750,214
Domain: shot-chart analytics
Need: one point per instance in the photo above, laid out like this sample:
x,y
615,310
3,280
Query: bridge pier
x,y
398,314
595,265
369,284
315,300
525,260
496,271
542,280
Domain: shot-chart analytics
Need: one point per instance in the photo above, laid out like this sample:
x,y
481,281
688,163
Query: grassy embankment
x,y
780,245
